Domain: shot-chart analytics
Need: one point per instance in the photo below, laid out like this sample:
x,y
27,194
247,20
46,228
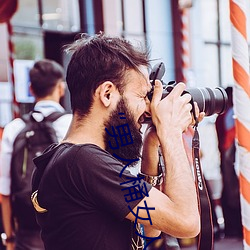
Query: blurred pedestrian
x,y
225,126
48,86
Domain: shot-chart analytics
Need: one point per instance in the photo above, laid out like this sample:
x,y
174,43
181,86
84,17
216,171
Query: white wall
x,y
160,34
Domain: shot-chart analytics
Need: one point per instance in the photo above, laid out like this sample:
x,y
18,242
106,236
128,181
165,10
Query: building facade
x,y
194,42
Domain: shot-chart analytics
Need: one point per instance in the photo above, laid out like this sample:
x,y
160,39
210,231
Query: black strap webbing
x,y
205,238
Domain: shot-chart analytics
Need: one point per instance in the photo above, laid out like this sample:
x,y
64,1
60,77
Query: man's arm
x,y
9,134
176,209
7,220
149,165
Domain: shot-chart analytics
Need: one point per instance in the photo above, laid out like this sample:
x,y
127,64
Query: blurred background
x,y
191,37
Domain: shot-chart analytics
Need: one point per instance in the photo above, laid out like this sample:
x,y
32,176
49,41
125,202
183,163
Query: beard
x,y
131,150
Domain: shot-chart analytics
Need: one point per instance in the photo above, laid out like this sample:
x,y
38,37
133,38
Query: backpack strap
x,y
46,125
51,118
54,116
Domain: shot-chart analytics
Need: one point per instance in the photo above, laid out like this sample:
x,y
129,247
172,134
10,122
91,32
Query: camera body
x,y
210,101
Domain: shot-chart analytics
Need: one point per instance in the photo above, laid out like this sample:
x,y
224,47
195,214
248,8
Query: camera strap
x,y
205,238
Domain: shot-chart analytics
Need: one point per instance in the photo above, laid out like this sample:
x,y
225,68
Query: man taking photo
x,y
84,195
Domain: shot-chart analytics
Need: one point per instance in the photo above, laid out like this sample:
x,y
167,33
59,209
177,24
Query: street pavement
x,y
223,244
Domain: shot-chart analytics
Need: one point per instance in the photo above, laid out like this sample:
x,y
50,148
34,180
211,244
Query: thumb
x,y
157,93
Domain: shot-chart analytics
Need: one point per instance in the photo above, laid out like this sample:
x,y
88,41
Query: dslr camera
x,y
210,101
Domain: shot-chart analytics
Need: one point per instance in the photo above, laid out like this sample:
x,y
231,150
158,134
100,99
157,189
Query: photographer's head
x,y
95,60
108,76
46,80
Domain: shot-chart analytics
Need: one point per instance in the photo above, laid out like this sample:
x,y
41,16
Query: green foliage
x,y
25,49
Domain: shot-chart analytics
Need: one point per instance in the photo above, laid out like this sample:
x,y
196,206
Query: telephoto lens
x,y
210,101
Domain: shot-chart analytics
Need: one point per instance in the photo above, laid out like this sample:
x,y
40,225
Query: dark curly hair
x,y
96,59
44,76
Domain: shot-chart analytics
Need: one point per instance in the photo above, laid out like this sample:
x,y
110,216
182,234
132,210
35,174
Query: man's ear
x,y
106,92
62,88
31,90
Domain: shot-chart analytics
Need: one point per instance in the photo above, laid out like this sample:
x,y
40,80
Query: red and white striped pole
x,y
15,106
185,65
241,95
185,55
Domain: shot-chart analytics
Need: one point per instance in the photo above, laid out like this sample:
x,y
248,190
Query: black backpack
x,y
37,135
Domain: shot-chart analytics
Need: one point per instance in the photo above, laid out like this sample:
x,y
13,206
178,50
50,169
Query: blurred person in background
x,y
225,126
47,86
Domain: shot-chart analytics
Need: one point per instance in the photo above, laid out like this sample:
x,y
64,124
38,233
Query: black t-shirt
x,y
86,207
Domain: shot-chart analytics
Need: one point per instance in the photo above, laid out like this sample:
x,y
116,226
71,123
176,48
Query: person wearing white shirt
x,y
47,86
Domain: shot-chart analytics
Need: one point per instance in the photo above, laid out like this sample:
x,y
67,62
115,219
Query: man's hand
x,y
176,207
172,114
199,115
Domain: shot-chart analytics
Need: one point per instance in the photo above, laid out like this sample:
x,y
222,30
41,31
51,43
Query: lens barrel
x,y
210,101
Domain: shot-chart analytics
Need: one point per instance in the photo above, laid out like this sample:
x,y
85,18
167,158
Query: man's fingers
x,y
199,115
178,90
186,98
157,93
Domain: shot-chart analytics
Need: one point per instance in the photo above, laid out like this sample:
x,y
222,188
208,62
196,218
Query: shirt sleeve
x,y
10,132
61,126
102,182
